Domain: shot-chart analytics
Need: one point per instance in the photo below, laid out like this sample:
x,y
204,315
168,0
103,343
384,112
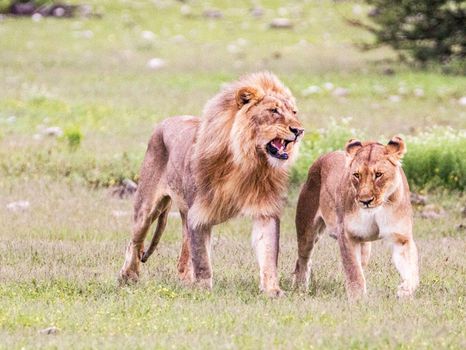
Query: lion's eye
x,y
356,175
295,112
378,174
274,110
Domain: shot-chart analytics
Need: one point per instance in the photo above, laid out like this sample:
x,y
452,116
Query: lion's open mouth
x,y
277,148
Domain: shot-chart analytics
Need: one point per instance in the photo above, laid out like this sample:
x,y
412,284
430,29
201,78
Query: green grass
x,y
59,259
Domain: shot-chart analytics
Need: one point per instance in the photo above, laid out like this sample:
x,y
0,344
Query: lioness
x,y
359,196
233,161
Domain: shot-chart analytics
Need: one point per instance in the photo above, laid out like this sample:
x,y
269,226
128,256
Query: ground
x,y
59,258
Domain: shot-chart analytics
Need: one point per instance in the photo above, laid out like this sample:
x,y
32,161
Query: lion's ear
x,y
352,146
396,147
246,95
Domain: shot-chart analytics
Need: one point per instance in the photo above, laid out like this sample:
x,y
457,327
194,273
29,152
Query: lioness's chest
x,y
365,223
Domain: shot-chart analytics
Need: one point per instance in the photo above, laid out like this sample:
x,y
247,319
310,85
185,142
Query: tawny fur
x,y
358,196
216,168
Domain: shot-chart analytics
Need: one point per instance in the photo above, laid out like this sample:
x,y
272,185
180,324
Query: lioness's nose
x,y
296,131
367,202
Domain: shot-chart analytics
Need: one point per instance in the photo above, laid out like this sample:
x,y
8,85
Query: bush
x,y
430,30
73,136
435,159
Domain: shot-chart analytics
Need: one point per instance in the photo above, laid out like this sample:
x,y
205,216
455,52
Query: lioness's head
x,y
374,169
266,123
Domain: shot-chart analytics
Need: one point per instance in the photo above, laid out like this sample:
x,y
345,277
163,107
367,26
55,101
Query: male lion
x,y
231,162
358,196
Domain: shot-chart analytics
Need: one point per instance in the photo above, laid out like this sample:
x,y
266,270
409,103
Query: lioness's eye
x,y
356,175
295,112
378,174
274,110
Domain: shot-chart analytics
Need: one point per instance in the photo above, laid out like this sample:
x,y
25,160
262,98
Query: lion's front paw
x,y
300,283
127,277
203,284
274,293
405,290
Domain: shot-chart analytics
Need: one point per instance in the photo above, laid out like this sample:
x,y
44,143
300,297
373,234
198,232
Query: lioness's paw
x,y
405,290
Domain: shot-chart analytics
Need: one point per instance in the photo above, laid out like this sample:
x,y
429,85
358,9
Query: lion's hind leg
x,y
150,195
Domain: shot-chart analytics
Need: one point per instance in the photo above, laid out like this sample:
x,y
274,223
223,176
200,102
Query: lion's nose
x,y
367,201
296,131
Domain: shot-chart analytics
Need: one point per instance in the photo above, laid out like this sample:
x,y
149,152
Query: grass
x,y
59,259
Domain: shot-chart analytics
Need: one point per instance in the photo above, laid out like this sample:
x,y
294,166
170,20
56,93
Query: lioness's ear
x,y
396,147
352,146
246,95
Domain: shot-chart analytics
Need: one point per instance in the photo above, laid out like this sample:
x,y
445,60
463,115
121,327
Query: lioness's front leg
x,y
265,240
406,261
350,250
200,249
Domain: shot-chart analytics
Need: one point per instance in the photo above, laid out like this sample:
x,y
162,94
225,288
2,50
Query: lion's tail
x,y
161,224
307,210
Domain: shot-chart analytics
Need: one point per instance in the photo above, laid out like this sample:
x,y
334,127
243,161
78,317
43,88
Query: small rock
x,y
432,212
36,17
276,55
328,86
418,92
156,63
212,14
185,10
232,48
120,213
18,206
311,90
53,131
462,101
281,23
125,189
58,12
11,119
394,98
22,9
357,9
86,34
374,12
402,90
257,12
49,330
340,92
178,38
388,71
147,35
418,199
463,212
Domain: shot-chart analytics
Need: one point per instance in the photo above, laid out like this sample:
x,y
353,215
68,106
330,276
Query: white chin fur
x,y
276,163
